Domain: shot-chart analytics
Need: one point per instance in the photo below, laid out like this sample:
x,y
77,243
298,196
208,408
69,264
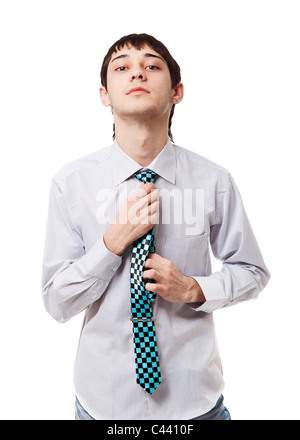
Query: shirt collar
x,y
124,166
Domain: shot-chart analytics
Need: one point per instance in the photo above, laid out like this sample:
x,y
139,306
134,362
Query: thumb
x,y
147,186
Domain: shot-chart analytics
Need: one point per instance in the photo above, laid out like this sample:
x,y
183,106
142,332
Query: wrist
x,y
194,292
115,239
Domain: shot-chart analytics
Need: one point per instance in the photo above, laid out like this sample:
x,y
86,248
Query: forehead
x,y
131,51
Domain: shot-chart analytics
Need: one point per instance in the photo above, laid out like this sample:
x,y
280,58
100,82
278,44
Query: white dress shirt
x,y
201,207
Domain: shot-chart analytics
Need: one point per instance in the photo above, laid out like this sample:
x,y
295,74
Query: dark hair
x,y
138,41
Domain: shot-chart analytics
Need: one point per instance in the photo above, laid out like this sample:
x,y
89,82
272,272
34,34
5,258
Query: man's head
x,y
141,61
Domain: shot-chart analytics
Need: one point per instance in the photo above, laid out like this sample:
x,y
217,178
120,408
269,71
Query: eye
x,y
121,69
152,67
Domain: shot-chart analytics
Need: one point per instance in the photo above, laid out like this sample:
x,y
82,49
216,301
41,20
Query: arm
x,y
244,274
171,284
72,279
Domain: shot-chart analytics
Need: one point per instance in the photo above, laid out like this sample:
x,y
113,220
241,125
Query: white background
x,y
241,68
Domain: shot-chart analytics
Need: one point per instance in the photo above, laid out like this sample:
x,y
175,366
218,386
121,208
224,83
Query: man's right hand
x,y
137,215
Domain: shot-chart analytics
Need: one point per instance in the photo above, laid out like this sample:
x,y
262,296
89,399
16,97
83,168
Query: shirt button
x,y
113,269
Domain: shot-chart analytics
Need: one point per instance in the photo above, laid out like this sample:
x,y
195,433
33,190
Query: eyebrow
x,y
146,55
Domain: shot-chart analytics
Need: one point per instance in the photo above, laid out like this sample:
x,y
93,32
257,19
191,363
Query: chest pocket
x,y
190,254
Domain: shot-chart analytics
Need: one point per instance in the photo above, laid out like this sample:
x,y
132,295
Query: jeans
x,y
219,412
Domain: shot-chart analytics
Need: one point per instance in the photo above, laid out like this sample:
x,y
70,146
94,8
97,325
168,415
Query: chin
x,y
140,111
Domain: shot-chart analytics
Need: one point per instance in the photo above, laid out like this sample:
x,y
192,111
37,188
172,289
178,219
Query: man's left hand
x,y
170,284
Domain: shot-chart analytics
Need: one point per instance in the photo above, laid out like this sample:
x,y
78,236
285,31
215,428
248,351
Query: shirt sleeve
x,y
72,278
244,274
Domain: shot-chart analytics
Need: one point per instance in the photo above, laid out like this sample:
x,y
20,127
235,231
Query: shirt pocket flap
x,y
190,253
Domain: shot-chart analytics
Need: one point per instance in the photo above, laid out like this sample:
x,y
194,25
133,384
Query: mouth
x,y
137,91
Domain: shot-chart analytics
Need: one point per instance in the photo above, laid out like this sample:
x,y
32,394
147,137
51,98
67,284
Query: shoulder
x,y
198,165
82,165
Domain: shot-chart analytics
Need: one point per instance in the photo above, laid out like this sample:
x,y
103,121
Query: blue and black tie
x,y
144,337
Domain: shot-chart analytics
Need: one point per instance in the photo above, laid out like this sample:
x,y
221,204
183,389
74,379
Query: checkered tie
x,y
146,356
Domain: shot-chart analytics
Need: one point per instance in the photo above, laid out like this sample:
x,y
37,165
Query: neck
x,y
141,141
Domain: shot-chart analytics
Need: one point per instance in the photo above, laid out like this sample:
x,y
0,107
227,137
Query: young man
x,y
128,240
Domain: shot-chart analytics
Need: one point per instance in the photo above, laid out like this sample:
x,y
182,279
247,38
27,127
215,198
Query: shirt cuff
x,y
213,292
100,262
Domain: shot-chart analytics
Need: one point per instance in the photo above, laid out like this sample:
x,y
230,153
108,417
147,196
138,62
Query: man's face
x,y
138,84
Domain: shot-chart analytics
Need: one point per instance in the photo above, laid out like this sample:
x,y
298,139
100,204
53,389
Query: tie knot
x,y
146,175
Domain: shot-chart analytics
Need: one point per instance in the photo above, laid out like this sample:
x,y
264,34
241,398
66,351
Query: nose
x,y
138,76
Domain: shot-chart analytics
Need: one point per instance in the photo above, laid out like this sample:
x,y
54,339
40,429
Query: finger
x,y
147,200
154,219
149,263
152,287
141,192
154,207
151,274
145,211
152,196
154,260
138,194
147,187
148,214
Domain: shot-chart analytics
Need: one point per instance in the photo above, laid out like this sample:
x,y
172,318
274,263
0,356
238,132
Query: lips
x,y
137,91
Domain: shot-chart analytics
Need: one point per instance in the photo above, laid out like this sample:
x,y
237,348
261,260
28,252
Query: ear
x,y
178,94
104,97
